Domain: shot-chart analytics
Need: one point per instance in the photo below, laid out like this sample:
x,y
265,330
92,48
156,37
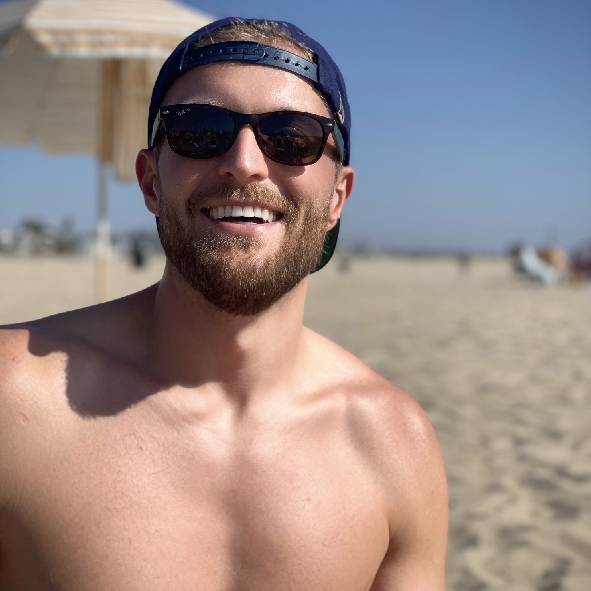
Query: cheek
x,y
179,176
325,175
316,183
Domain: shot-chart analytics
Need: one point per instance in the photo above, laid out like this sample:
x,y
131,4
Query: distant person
x,y
137,253
464,261
534,267
344,263
580,263
556,258
546,266
196,435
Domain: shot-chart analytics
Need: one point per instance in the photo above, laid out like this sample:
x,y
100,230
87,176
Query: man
x,y
195,436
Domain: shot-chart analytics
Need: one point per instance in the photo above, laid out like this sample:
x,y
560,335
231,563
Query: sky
x,y
471,125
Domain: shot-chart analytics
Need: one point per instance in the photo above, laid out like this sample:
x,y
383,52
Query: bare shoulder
x,y
396,436
33,354
22,375
20,363
35,365
389,410
103,327
38,348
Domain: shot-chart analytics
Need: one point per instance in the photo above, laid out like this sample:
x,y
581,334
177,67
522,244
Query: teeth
x,y
236,211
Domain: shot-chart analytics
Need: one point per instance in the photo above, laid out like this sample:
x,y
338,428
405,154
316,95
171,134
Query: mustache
x,y
263,196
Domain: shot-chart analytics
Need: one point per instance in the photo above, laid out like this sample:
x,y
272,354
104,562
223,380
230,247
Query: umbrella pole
x,y
103,238
105,156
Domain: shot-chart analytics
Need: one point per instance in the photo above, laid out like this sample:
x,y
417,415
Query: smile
x,y
241,214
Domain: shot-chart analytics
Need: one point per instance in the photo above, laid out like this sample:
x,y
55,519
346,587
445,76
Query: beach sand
x,y
503,368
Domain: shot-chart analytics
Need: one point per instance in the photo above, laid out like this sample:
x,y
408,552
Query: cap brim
x,y
330,243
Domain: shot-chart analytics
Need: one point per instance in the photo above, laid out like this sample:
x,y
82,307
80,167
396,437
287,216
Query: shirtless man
x,y
195,435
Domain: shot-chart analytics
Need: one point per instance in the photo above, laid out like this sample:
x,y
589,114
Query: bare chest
x,y
129,508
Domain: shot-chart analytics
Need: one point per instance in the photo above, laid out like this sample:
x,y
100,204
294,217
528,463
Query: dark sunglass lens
x,y
291,138
200,131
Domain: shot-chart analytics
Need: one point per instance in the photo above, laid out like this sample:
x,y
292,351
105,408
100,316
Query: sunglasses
x,y
205,131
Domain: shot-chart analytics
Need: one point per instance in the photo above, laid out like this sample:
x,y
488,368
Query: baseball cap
x,y
323,73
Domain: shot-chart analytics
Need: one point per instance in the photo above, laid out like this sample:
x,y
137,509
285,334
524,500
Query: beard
x,y
230,271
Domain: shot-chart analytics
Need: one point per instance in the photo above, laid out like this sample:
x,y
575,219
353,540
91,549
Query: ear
x,y
146,169
342,189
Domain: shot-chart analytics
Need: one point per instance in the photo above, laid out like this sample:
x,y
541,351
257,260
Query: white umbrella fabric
x,y
76,77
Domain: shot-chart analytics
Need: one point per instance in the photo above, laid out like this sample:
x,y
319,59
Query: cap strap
x,y
248,51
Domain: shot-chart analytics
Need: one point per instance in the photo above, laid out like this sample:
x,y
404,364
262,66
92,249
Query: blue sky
x,y
471,125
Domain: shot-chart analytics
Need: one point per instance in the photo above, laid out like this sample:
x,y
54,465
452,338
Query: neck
x,y
246,357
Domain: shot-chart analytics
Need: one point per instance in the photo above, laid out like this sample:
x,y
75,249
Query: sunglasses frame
x,y
240,120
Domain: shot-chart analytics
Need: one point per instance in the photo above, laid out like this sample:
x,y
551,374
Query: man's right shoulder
x,y
17,360
30,363
46,342
24,354
24,377
34,354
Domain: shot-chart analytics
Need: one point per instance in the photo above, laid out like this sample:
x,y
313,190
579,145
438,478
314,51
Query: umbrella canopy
x,y
77,74
77,77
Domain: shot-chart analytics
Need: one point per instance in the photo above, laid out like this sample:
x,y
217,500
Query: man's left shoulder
x,y
398,421
398,439
384,417
394,435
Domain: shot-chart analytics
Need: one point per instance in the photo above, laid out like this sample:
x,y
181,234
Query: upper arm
x,y
418,504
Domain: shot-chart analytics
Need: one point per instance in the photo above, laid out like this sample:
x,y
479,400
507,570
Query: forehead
x,y
248,88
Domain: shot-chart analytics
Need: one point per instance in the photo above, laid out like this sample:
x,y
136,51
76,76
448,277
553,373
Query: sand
x,y
502,367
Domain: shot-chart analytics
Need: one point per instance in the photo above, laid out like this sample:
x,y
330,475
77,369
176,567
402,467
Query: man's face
x,y
243,267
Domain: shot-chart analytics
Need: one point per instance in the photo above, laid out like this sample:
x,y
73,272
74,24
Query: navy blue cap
x,y
323,73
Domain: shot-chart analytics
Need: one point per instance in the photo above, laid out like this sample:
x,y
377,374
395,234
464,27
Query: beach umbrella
x,y
76,77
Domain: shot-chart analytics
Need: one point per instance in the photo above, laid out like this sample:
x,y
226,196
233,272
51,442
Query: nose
x,y
244,162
